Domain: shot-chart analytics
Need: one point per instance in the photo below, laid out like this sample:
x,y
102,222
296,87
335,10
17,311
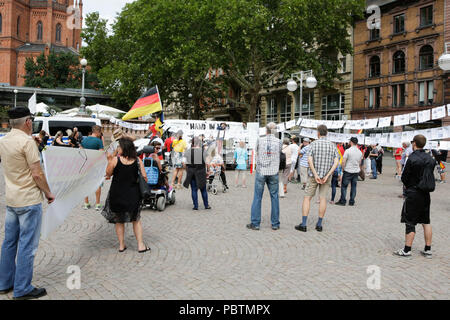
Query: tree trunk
x,y
254,98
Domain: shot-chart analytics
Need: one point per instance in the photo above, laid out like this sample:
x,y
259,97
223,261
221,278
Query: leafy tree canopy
x,y
57,70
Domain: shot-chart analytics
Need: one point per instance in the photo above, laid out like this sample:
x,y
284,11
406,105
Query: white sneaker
x,y
86,206
402,253
427,253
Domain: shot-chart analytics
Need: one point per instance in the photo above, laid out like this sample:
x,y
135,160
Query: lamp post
x,y
311,82
83,63
190,105
15,97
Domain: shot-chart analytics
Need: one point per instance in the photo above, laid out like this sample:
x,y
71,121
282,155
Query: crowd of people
x,y
318,165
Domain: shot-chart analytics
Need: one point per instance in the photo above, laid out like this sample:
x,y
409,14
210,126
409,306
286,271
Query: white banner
x,y
72,174
401,120
424,116
413,118
384,122
438,113
129,125
290,124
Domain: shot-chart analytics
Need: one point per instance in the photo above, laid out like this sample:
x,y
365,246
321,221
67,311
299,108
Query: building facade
x,y
31,27
396,69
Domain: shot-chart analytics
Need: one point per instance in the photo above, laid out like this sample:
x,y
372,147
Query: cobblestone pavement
x,y
209,254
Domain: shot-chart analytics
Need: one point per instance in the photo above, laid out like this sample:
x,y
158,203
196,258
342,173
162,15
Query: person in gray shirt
x,y
350,165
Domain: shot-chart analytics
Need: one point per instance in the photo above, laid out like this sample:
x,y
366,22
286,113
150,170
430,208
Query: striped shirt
x,y
268,150
304,158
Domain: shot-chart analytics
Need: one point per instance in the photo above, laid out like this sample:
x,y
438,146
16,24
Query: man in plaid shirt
x,y
323,159
268,151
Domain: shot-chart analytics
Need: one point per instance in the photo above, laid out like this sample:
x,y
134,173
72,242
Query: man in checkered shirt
x,y
268,151
323,159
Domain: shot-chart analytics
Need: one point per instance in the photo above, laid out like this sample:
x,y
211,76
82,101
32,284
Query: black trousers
x,y
379,164
222,176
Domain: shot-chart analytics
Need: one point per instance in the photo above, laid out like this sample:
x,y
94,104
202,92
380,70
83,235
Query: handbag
x,y
143,186
152,174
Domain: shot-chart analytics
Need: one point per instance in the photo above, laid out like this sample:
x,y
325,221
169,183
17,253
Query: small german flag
x,y
441,165
148,103
360,131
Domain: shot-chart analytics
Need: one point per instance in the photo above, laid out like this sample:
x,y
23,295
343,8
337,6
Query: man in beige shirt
x,y
24,184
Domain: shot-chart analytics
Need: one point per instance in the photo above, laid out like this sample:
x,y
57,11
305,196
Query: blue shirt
x,y
304,158
241,156
92,143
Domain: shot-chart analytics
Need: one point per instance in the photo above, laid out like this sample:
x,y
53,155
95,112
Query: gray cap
x,y
306,140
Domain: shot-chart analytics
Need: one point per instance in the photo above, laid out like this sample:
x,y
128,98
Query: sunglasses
x,y
31,118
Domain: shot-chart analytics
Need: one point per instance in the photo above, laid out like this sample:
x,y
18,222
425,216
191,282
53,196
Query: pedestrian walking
x,y
195,164
24,184
179,147
418,179
286,171
373,161
124,203
351,167
398,157
379,159
93,142
294,157
268,151
304,164
323,159
336,178
241,159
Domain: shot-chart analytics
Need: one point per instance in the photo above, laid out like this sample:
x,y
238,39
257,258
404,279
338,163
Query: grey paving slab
x,y
209,254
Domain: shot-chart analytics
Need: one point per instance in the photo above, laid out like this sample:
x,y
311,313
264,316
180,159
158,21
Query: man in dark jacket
x,y
416,208
194,162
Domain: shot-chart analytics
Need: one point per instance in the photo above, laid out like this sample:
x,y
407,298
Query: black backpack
x,y
282,161
428,182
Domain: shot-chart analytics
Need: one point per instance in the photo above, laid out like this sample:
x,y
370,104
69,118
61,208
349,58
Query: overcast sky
x,y
108,9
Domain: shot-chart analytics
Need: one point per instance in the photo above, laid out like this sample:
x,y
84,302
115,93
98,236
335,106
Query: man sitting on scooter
x,y
162,180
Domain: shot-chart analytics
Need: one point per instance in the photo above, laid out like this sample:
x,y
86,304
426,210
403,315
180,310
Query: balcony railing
x,y
59,7
38,3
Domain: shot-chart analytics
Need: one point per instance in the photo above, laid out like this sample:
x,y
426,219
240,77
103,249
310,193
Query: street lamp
x,y
190,104
83,63
311,82
444,59
15,97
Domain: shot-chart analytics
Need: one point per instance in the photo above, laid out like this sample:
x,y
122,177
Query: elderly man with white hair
x,y
268,151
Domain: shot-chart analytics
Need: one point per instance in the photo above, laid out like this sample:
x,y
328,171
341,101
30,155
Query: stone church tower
x,y
31,27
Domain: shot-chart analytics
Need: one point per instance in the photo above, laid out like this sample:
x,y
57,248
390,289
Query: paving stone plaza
x,y
210,254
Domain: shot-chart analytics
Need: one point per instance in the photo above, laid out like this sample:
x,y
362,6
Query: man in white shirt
x,y
350,165
294,155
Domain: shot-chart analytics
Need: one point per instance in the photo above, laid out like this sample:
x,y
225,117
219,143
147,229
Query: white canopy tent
x,y
42,108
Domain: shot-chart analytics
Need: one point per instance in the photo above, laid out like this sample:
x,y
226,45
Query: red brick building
x,y
396,69
31,27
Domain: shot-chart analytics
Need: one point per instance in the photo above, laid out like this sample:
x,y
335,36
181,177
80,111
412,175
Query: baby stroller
x,y
159,195
214,181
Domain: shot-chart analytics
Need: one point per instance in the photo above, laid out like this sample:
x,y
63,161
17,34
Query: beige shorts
x,y
304,174
312,185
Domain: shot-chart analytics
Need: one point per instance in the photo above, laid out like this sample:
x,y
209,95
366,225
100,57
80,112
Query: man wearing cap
x,y
24,184
304,165
351,166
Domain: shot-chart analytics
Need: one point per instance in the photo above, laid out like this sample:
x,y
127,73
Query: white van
x,y
52,125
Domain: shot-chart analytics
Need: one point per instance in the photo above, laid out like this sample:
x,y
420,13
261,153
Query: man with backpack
x,y
418,179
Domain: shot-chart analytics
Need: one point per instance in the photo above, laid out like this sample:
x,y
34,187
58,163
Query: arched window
x,y
39,30
18,25
399,62
58,32
1,23
426,57
374,67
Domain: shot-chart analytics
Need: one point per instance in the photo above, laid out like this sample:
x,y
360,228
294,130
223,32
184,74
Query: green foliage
x,y
57,70
4,113
174,44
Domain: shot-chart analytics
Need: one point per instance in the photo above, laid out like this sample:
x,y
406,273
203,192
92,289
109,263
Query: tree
x,y
57,70
267,40
162,43
175,43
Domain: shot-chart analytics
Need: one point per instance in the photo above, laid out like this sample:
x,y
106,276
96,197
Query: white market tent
x,y
41,107
100,111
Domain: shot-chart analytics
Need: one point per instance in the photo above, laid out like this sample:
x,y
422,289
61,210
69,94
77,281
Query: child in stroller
x,y
216,171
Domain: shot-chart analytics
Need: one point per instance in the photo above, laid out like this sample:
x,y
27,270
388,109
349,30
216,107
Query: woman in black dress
x,y
124,204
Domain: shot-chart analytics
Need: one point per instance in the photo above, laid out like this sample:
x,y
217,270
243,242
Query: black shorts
x,y
416,208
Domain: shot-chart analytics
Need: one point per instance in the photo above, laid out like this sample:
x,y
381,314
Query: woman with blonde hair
x,y
57,141
241,161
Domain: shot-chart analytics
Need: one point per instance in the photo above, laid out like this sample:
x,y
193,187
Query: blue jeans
x,y
194,194
334,183
22,232
373,163
272,184
346,179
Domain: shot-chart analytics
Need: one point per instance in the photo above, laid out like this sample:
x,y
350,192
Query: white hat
x,y
306,140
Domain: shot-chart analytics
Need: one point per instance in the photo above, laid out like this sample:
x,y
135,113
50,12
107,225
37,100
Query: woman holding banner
x,y
123,204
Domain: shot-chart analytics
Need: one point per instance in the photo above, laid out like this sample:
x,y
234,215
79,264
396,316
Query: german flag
x,y
360,131
148,103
